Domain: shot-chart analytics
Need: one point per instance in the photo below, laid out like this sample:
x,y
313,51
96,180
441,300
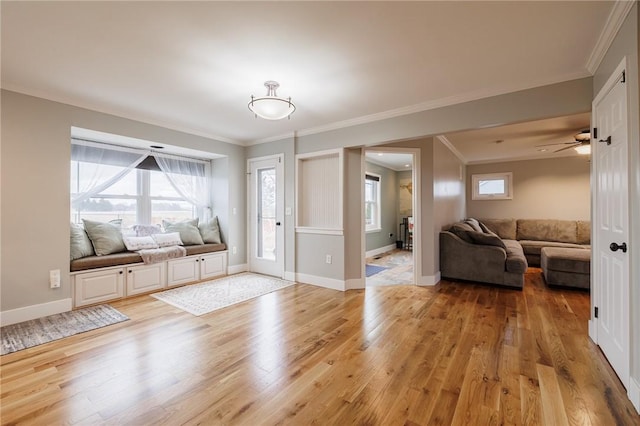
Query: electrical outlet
x,y
54,278
234,250
328,259
234,211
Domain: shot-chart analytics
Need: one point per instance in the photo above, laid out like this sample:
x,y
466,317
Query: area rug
x,y
370,270
200,299
23,335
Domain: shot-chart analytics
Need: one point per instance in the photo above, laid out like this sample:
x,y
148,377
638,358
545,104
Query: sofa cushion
x,y
188,229
584,232
115,259
204,248
105,237
566,260
516,261
504,228
534,247
564,231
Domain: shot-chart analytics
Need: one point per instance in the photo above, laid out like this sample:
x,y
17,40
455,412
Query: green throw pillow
x,y
188,229
105,237
210,231
80,243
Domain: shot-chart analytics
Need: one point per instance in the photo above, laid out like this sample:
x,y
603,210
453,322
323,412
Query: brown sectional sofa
x,y
465,255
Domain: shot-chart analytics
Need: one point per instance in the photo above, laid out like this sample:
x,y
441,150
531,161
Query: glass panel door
x,y
266,237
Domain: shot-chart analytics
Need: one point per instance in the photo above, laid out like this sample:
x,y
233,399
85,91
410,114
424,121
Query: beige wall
x,y
557,188
448,192
388,207
36,154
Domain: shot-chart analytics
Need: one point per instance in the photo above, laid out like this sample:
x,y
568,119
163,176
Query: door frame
x,y
415,201
595,240
280,202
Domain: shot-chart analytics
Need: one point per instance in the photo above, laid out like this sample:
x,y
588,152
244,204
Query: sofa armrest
x,y
476,262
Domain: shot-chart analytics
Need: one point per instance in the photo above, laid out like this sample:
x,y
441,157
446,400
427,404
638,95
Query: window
x,y
372,202
108,183
494,186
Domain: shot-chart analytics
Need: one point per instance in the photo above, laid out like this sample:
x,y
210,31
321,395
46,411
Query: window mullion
x,y
144,201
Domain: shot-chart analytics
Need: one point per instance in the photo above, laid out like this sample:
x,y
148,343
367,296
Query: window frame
x,y
506,177
376,226
143,199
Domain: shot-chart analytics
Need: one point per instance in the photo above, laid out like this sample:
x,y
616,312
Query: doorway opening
x,y
390,217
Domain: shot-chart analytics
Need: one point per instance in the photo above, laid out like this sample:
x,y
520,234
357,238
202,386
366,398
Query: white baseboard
x,y
380,250
289,276
354,284
634,393
592,331
321,281
236,269
427,280
35,311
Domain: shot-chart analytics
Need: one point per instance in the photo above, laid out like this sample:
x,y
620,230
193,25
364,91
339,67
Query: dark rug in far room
x,y
23,335
370,270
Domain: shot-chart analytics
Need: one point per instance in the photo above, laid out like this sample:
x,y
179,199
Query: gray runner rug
x,y
23,335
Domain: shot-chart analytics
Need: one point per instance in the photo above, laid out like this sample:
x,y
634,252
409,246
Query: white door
x,y
611,248
266,205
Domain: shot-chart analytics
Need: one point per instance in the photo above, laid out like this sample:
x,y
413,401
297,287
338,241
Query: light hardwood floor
x,y
455,353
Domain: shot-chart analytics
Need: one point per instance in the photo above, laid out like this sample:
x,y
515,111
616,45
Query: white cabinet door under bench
x,y
213,265
145,278
196,268
98,286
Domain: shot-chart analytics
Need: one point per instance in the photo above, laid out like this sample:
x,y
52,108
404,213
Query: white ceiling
x,y
391,160
192,66
519,141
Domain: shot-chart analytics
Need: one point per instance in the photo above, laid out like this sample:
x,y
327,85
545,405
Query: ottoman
x,y
568,267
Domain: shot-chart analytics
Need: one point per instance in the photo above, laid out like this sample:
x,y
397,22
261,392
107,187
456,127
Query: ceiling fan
x,y
582,139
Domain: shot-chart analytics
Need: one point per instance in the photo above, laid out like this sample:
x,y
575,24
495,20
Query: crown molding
x,y
446,142
118,113
289,135
616,18
429,105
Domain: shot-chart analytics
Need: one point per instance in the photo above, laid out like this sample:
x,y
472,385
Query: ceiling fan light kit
x,y
271,107
581,143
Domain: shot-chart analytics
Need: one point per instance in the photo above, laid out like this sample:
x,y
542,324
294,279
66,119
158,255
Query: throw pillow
x,y
146,230
105,237
210,231
474,224
188,229
139,243
80,243
168,239
486,239
462,229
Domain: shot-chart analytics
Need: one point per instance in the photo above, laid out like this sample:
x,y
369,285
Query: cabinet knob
x,y
120,272
130,271
197,260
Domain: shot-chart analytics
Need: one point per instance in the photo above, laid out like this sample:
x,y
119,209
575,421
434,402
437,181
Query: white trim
x,y
634,393
606,88
380,250
429,280
330,283
323,231
236,269
551,156
616,18
35,311
593,324
446,142
289,276
355,284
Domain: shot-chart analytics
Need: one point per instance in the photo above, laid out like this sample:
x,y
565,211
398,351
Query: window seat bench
x,y
99,279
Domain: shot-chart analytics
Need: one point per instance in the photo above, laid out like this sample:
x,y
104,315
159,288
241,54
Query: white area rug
x,y
200,299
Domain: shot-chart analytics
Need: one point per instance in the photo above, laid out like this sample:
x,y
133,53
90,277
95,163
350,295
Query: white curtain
x,y
189,179
101,162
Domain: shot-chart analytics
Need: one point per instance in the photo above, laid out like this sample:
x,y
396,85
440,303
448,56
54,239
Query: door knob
x,y
616,247
607,140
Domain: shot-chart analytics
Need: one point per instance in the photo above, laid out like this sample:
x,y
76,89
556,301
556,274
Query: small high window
x,y
493,186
